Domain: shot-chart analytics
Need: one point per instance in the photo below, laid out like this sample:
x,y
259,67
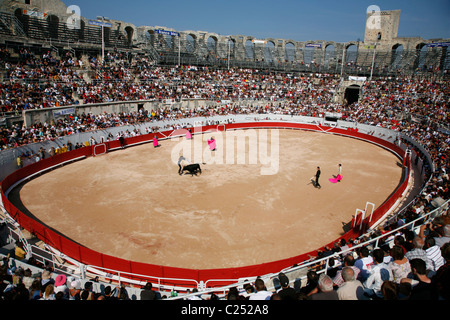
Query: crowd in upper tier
x,y
415,107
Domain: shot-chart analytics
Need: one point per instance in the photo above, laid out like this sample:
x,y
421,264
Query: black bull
x,y
192,168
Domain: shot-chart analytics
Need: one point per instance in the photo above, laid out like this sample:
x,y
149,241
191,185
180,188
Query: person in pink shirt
x,y
212,144
155,142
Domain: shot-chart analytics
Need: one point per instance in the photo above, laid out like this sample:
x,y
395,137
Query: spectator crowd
x,y
411,267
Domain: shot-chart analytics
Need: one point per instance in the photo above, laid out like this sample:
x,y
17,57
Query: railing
x,y
297,273
325,262
12,25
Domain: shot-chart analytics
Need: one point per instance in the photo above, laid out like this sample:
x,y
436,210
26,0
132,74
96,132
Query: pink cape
x,y
335,180
155,142
212,144
188,135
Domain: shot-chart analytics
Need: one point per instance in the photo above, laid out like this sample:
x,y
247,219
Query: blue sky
x,y
299,20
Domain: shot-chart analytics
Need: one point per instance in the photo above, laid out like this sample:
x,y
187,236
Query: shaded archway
x,y
329,55
231,45
249,49
289,51
151,37
129,31
53,23
212,45
351,53
269,51
190,43
351,94
421,54
81,31
107,35
397,56
308,54
23,18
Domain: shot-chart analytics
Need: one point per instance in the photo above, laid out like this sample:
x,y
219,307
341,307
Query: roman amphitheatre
x,y
125,217
133,204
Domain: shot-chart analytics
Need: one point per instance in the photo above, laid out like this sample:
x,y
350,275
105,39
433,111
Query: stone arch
x,y
289,51
421,55
52,18
308,53
211,44
435,58
420,46
18,12
129,30
151,36
190,42
270,51
351,52
165,41
231,45
107,35
397,46
249,49
350,44
24,19
53,25
81,30
329,54
396,55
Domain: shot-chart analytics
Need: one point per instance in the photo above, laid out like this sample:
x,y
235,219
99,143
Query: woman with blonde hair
x,y
49,293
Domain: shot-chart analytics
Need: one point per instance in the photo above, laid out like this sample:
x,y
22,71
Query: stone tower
x,y
381,26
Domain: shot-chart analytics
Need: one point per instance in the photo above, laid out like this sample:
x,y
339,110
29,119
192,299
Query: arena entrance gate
x,y
352,93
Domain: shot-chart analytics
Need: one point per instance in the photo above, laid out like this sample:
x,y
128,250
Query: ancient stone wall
x,y
381,35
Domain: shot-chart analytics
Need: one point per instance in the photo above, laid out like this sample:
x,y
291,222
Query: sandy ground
x,y
133,204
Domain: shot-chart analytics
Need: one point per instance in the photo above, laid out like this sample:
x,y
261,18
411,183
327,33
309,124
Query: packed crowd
x,y
414,107
122,78
47,82
19,284
415,266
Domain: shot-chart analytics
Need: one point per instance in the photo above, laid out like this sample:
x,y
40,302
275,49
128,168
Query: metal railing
x,y
64,264
322,264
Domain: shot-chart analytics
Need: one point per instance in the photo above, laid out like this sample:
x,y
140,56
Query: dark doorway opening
x,y
352,94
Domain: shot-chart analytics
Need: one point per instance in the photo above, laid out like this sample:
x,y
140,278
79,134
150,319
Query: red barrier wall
x,y
90,257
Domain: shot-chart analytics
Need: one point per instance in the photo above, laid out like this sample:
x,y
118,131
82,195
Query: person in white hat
x,y
75,290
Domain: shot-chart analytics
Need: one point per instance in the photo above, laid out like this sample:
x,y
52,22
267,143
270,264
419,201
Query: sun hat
x,y
60,280
76,284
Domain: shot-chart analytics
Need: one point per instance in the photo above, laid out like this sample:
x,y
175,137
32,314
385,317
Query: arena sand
x,y
133,204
